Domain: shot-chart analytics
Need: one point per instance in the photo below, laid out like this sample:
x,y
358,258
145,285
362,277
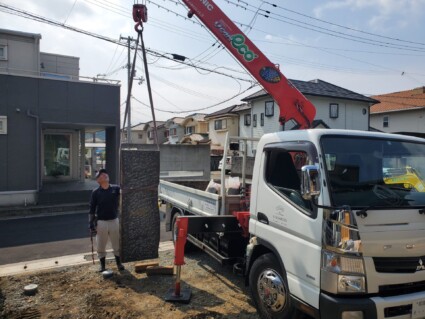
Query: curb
x,y
27,267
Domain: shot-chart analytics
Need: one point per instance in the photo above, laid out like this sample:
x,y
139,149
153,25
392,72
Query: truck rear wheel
x,y
269,288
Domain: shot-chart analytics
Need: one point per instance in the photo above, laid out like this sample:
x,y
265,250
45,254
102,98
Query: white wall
x,y
411,121
23,54
350,116
218,137
174,139
59,64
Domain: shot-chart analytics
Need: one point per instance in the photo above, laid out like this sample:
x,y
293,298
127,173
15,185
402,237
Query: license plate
x,y
418,309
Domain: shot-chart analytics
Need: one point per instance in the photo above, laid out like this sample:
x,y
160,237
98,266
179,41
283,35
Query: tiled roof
x,y
228,110
400,101
319,88
314,124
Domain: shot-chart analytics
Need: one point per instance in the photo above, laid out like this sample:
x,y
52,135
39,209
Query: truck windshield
x,y
374,172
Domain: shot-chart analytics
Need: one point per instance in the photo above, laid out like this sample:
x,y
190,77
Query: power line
x,y
333,33
199,109
339,25
28,15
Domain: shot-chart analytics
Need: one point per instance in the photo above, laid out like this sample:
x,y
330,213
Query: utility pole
x,y
128,107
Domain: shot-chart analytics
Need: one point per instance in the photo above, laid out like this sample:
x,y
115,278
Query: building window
x,y
190,129
166,133
150,135
3,125
173,131
269,109
247,119
220,124
333,110
254,120
386,121
57,155
140,135
3,52
125,135
262,119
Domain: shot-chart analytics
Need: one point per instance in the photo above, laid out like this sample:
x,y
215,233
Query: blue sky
x,y
381,65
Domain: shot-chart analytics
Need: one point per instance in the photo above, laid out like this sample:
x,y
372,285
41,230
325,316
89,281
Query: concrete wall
x,y
23,53
60,64
237,166
181,162
218,137
58,105
411,121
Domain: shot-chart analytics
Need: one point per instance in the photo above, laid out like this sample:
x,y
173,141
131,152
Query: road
x,y
33,238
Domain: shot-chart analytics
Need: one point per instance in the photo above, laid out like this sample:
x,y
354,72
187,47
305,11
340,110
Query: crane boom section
x,y
292,103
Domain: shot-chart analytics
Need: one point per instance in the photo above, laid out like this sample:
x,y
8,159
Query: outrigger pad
x,y
185,295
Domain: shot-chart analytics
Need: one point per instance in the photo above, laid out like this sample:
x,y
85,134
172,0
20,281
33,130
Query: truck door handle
x,y
262,218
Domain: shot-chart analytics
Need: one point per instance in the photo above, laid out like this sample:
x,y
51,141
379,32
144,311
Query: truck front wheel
x,y
269,288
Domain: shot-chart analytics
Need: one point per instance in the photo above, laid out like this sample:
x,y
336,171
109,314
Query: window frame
x,y
4,56
262,119
3,128
247,119
254,120
386,121
333,110
269,108
221,126
191,129
291,146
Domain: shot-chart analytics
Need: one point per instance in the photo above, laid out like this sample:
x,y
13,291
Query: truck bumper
x,y
394,307
333,307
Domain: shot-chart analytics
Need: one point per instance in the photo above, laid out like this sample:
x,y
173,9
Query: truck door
x,y
288,222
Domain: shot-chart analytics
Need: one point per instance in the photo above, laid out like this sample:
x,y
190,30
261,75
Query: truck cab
x,y
328,235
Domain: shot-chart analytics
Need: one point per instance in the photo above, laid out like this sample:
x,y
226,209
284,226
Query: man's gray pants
x,y
105,229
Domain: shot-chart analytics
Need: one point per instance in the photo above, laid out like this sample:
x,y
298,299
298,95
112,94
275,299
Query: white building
x,y
400,112
336,107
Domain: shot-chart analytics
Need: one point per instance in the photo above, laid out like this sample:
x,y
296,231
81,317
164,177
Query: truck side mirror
x,y
310,181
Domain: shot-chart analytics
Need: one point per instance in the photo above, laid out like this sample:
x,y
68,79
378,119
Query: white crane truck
x,y
324,233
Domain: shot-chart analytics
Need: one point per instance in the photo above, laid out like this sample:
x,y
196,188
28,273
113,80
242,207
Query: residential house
x,y
336,107
220,123
400,112
175,130
138,134
195,127
161,131
44,118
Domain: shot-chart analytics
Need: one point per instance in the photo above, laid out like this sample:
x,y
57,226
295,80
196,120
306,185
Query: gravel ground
x,y
81,292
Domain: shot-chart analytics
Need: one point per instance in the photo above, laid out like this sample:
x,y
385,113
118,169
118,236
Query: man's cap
x,y
102,170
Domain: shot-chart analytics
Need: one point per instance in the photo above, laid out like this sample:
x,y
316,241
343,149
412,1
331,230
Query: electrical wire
x,y
339,25
199,109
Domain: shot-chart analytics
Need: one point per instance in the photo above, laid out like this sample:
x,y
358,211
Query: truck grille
x,y
399,265
401,289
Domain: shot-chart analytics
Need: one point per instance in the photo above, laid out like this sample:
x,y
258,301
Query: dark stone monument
x,y
139,213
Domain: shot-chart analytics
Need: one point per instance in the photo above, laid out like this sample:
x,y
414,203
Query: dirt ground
x,y
81,292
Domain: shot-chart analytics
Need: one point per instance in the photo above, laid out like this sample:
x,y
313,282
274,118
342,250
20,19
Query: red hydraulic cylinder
x,y
181,235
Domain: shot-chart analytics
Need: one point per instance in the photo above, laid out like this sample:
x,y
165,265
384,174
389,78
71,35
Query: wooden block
x,y
141,267
160,270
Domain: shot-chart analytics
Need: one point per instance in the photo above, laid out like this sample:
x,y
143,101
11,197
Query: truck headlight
x,y
342,274
351,284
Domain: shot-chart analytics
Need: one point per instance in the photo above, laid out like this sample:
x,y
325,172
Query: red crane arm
x,y
292,103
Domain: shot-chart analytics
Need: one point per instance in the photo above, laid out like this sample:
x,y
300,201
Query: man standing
x,y
103,219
